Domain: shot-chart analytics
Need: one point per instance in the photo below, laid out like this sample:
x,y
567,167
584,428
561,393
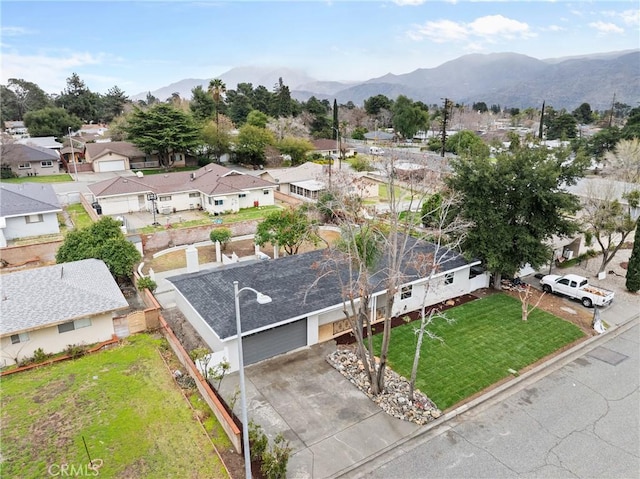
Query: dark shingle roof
x,y
27,199
288,280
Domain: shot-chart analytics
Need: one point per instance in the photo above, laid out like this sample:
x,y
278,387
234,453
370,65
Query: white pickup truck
x,y
577,287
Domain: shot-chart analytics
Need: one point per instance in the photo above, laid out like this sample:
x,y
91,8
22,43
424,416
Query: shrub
x,y
360,164
75,350
147,283
258,441
223,235
39,356
274,461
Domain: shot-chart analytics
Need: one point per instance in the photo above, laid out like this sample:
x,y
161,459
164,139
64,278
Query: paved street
x,y
579,421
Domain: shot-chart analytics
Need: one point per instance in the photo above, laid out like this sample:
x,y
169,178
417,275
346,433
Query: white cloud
x,y
48,72
553,28
14,31
605,28
631,17
402,3
489,28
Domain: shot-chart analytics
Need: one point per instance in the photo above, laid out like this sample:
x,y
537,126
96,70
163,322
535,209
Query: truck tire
x,y
586,302
546,288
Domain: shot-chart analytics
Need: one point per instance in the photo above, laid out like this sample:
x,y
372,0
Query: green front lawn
x,y
487,339
39,179
122,401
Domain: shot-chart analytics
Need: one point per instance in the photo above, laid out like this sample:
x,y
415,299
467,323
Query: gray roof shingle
x,y
27,199
50,295
288,280
210,179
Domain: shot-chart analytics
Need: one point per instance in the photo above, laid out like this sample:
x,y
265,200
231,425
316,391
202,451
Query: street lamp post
x,y
261,299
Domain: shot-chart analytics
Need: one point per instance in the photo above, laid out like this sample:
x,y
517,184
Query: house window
x,y
73,325
165,198
448,278
19,338
24,166
406,292
34,219
242,195
194,195
218,202
46,164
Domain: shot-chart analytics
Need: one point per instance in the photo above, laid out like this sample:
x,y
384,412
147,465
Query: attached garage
x,y
111,165
279,340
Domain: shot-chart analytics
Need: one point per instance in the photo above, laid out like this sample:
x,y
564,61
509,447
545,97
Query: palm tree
x,y
217,88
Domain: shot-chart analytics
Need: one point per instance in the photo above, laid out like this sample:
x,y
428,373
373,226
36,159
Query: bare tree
x,y
525,294
607,219
624,160
378,253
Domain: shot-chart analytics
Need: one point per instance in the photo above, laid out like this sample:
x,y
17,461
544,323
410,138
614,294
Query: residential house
x,y
307,304
115,156
56,306
285,177
212,188
27,210
48,142
29,160
16,128
327,147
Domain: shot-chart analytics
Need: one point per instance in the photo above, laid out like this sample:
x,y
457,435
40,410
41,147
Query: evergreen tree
x,y
633,269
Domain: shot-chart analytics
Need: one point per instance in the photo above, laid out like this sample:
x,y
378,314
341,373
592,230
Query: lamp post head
x,y
263,298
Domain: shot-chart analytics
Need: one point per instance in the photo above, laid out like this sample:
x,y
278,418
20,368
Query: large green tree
x,y
467,143
202,106
51,122
516,203
217,89
287,228
250,144
561,127
102,240
112,104
408,118
296,148
631,128
78,100
375,104
163,129
633,269
217,138
19,97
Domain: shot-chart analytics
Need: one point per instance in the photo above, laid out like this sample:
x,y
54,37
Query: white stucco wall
x,y
52,341
18,227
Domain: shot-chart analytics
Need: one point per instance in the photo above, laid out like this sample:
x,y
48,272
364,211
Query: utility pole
x,y
445,120
613,102
541,128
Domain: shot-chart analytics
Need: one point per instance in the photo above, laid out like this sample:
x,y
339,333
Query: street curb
x,y
501,392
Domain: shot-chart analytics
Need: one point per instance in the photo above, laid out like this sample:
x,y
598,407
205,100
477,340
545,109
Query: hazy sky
x,y
145,45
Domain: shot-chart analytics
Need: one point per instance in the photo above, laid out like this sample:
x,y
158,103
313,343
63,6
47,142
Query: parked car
x,y
577,287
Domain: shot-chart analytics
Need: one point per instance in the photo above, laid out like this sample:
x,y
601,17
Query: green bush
x,y
39,356
360,164
274,461
258,441
147,283
75,350
223,235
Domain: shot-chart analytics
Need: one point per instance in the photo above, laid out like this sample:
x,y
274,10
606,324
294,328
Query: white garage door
x,y
116,165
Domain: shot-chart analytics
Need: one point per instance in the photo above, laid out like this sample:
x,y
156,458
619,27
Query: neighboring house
x,y
213,188
327,147
115,156
56,306
26,210
284,177
93,129
48,142
29,160
15,128
306,305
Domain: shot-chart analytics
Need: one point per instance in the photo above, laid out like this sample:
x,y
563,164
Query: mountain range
x,y
510,80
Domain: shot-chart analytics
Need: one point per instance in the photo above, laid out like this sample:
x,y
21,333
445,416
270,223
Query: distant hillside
x,y
507,79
